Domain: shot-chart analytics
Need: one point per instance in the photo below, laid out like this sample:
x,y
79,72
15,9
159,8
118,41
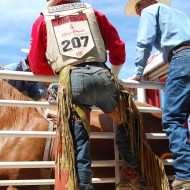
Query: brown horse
x,y
20,149
30,149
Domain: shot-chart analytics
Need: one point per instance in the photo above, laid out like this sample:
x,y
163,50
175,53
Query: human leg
x,y
80,95
123,142
130,178
96,86
175,113
84,86
129,173
82,153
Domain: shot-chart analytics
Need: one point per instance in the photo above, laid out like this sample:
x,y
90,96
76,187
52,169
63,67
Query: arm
x,y
145,41
35,91
113,43
18,84
37,56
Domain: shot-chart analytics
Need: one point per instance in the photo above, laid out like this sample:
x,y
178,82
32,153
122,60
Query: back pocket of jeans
x,y
108,81
77,85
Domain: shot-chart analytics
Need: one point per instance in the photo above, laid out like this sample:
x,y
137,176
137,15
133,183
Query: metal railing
x,y
17,75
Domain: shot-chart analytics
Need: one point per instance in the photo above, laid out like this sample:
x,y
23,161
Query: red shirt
x,y
37,55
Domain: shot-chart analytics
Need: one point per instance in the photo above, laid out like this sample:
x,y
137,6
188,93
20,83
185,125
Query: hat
x,y
130,7
55,2
25,50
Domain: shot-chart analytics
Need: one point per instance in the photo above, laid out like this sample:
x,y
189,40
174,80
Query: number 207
x,y
75,42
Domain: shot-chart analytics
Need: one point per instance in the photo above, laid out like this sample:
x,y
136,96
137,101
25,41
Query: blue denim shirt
x,y
163,28
30,88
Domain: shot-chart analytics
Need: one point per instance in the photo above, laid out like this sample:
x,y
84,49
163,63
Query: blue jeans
x,y
176,111
82,155
123,142
93,85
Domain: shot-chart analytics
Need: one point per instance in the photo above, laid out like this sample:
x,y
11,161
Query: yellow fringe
x,y
65,148
151,166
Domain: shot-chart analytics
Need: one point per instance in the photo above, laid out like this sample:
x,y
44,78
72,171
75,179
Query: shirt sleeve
x,y
14,67
145,40
35,92
114,45
37,56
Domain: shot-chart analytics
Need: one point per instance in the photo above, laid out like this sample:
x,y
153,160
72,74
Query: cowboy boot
x,y
177,185
130,179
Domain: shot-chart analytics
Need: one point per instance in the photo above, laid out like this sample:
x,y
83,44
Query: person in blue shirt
x,y
168,30
32,89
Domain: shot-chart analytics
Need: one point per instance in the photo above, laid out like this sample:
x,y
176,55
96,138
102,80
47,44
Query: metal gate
x,y
16,75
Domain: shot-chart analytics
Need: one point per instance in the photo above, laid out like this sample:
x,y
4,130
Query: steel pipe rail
x,y
51,164
50,134
27,182
48,181
149,110
29,76
27,164
19,75
19,103
142,84
168,162
156,136
52,181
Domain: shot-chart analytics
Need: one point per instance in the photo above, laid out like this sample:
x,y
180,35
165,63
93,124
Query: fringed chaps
x,y
65,171
151,166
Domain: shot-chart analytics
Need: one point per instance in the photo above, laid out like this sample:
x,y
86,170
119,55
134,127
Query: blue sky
x,y
17,18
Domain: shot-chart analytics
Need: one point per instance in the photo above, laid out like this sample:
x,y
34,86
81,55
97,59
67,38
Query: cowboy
x,y
71,40
167,30
32,89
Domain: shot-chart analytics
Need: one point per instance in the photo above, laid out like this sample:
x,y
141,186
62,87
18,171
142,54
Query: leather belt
x,y
177,49
97,64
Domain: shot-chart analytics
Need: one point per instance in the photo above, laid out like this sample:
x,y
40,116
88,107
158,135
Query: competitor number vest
x,y
73,36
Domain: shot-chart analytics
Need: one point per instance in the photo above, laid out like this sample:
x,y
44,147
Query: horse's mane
x,y
16,115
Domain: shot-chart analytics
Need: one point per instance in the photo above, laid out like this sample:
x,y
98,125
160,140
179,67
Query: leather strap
x,y
49,142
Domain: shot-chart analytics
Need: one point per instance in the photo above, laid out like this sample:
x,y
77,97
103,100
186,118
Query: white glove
x,y
116,69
